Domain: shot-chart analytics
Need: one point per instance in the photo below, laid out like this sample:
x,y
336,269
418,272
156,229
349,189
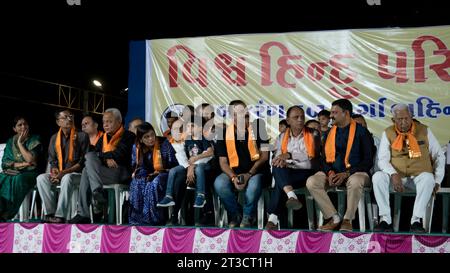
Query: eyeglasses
x,y
69,117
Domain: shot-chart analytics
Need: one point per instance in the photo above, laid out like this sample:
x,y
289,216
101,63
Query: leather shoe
x,y
346,225
98,217
47,218
57,220
293,203
246,222
417,227
271,226
329,226
235,221
383,226
78,219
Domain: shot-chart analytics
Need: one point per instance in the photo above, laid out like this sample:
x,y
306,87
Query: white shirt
x,y
376,142
181,157
296,146
180,154
437,156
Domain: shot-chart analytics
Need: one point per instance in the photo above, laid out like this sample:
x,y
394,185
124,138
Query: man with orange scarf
x,y
409,158
296,158
109,164
243,158
348,159
66,152
90,127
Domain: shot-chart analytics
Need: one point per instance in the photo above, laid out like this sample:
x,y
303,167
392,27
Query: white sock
x,y
336,218
273,218
292,194
387,219
415,219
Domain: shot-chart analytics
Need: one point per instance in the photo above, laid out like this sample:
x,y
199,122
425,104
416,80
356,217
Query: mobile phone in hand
x,y
240,179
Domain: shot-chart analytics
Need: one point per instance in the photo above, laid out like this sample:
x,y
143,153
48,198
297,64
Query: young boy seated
x,y
198,152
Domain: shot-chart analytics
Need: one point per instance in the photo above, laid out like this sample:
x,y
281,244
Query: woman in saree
x,y
19,166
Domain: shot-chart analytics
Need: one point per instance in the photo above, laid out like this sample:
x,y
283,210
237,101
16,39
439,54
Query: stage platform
x,y
66,238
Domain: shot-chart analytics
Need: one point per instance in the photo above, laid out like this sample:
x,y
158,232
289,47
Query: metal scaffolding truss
x,y
83,100
69,97
96,102
55,94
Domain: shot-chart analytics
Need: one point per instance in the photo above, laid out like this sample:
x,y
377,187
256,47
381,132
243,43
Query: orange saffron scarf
x,y
414,149
99,135
182,139
330,144
231,146
157,157
170,139
166,134
112,144
307,137
58,147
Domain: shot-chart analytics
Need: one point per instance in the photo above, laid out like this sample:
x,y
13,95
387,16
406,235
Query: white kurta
x,y
423,184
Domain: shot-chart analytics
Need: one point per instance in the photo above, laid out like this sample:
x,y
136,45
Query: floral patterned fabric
x,y
38,238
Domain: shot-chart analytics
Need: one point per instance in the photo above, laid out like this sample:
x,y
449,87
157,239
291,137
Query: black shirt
x,y
245,163
196,147
122,153
81,147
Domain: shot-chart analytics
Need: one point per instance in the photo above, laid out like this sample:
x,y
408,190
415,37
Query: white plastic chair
x,y
365,203
120,191
397,210
24,210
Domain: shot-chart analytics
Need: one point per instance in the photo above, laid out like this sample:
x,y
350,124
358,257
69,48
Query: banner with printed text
x,y
374,68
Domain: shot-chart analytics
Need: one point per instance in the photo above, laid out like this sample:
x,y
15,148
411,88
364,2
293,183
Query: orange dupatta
x,y
330,144
58,148
414,149
112,144
157,157
307,137
231,146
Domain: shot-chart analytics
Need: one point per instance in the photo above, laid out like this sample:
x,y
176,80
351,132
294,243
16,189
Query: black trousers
x,y
286,177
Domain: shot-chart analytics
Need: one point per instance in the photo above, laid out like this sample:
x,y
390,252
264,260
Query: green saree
x,y
14,188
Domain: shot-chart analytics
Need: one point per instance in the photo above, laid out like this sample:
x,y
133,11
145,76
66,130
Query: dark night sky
x,y
53,41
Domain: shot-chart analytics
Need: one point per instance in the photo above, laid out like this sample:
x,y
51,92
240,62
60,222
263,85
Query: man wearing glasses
x,y
66,159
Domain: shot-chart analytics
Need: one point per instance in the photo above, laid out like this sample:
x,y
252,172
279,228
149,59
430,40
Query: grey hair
x,y
400,107
116,113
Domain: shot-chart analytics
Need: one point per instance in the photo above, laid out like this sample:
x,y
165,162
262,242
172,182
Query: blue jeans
x,y
176,173
179,173
225,189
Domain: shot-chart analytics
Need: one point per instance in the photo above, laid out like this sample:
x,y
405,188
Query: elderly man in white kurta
x,y
410,158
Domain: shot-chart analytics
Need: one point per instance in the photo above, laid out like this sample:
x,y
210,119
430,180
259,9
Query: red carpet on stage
x,y
51,238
